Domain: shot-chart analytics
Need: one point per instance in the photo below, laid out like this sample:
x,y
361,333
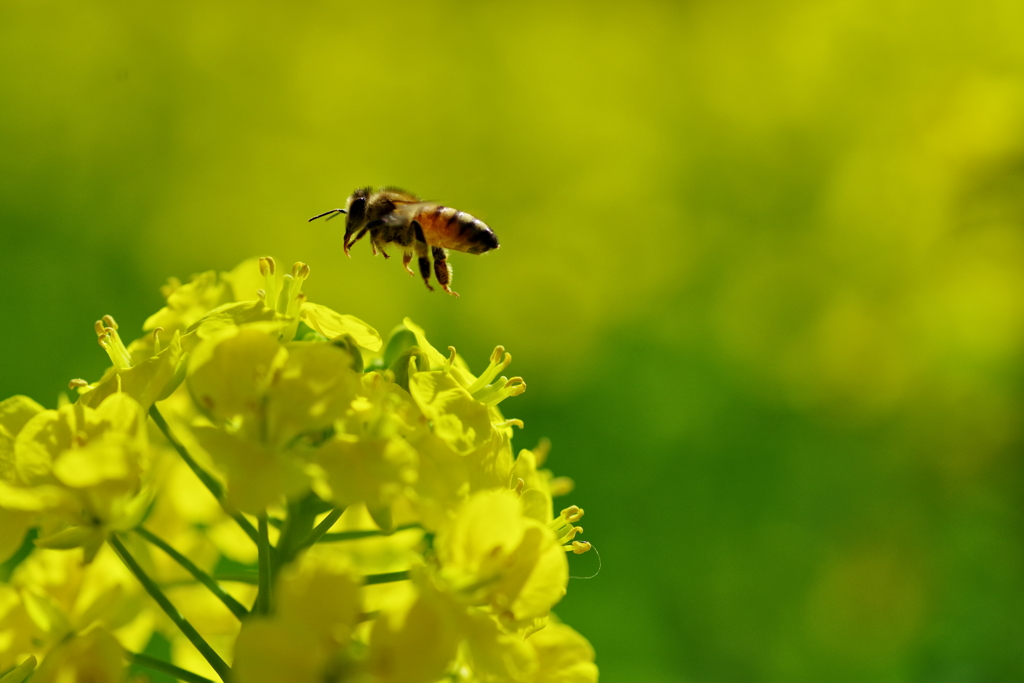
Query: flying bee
x,y
398,220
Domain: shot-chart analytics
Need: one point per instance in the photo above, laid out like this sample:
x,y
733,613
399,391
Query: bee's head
x,y
356,208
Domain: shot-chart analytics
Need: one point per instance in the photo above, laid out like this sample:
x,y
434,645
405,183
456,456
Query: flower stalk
x,y
189,631
205,477
263,599
202,577
155,664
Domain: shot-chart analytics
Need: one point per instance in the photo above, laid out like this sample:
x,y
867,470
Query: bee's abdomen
x,y
446,227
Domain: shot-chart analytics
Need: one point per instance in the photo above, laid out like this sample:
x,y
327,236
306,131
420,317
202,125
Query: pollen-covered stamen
x,y
570,534
267,270
499,361
520,485
560,486
106,335
77,384
495,393
566,520
300,271
541,450
572,514
451,359
578,547
565,528
514,422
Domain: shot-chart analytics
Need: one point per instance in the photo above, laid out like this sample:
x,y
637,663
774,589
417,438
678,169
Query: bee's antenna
x,y
335,212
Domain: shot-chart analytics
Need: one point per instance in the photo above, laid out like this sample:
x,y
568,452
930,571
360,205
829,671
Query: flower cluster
x,y
301,499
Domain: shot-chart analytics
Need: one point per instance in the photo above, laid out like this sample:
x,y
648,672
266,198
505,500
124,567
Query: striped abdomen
x,y
449,228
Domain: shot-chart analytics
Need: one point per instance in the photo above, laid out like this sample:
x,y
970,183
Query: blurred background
x,y
762,267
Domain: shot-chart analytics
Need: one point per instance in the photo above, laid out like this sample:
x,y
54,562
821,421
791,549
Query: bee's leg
x,y
406,258
351,243
370,227
442,270
384,253
421,252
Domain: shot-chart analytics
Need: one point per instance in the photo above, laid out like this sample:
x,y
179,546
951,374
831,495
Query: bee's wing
x,y
405,211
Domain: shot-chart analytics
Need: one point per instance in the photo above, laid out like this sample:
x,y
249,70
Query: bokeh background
x,y
762,267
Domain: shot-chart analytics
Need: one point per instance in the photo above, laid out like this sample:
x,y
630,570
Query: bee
x,y
399,220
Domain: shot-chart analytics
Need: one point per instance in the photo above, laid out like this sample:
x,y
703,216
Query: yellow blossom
x,y
81,470
398,538
147,371
563,656
492,554
306,640
93,656
414,643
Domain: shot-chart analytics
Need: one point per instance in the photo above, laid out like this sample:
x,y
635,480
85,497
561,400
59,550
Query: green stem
x,y
385,578
251,578
320,529
208,481
263,598
218,664
356,535
202,577
297,531
166,667
368,580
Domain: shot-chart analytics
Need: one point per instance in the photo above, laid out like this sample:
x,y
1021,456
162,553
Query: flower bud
x,y
401,338
403,365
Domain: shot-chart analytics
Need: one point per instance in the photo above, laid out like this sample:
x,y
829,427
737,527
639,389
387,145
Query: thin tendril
x,y
594,548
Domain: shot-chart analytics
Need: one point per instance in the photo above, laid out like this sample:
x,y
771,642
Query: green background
x,y
762,267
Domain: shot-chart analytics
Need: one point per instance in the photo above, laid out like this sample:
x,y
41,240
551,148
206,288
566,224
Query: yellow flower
x,y
416,642
81,471
563,656
148,371
492,554
52,596
552,654
442,483
15,412
334,325
92,656
187,303
19,634
307,639
15,517
441,557
443,400
494,654
265,400
369,471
